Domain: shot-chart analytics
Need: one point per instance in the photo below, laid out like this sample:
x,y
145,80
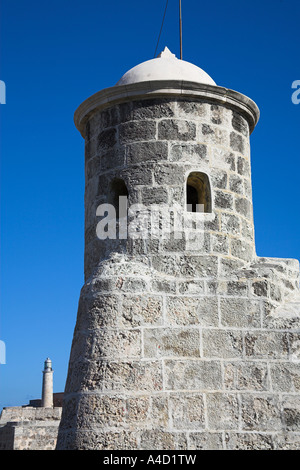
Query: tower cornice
x,y
165,88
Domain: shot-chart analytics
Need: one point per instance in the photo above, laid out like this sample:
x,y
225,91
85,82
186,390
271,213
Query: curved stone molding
x,y
165,88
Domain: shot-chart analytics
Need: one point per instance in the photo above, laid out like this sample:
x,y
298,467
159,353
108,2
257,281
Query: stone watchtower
x,y
185,338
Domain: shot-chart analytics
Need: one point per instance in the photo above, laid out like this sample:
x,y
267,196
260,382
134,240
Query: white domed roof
x,y
165,67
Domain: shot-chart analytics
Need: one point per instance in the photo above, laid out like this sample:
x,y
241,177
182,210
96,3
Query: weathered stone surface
x,y
291,412
137,131
192,109
140,152
171,342
270,344
240,313
153,109
246,376
213,135
176,130
188,342
249,441
236,142
157,439
205,441
222,343
240,124
223,411
29,428
260,413
121,376
193,375
223,200
192,311
190,153
285,377
140,310
107,139
187,411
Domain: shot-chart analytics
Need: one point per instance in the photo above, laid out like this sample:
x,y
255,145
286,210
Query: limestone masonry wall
x,y
181,343
29,428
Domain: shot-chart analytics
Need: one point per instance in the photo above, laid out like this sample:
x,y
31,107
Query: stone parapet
x,y
29,428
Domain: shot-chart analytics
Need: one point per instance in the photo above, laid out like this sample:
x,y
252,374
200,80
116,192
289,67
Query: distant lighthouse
x,y
47,390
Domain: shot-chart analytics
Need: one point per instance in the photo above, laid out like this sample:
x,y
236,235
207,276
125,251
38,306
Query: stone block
x,y
137,131
107,139
218,178
98,311
137,410
187,411
112,159
100,410
241,249
198,375
160,411
266,345
287,441
260,412
156,439
171,342
205,441
153,195
168,175
243,167
104,119
223,200
140,152
191,287
222,343
163,286
220,115
230,224
213,135
236,184
141,310
124,376
240,313
251,376
237,142
243,207
137,175
190,153
187,310
294,347
116,344
260,288
219,244
221,158
240,124
237,288
192,109
171,129
249,441
153,109
285,376
222,411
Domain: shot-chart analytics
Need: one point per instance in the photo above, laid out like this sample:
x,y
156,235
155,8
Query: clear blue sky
x,y
55,54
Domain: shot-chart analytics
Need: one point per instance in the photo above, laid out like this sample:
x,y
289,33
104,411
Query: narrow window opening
x,y
118,188
198,193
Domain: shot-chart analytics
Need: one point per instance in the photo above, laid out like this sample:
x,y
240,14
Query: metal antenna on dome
x,y
180,28
163,20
